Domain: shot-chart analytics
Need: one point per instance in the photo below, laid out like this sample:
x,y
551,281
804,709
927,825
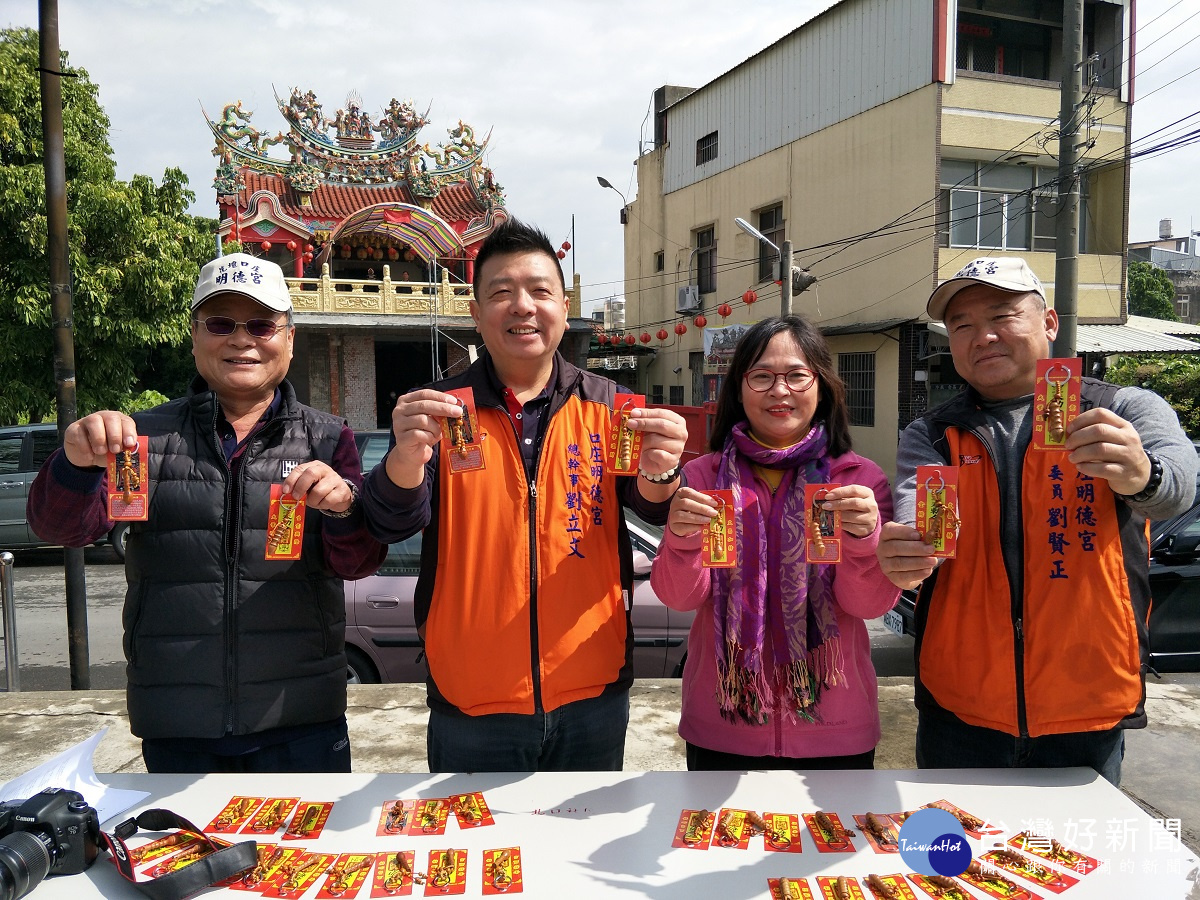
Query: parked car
x,y
1174,591
381,632
23,449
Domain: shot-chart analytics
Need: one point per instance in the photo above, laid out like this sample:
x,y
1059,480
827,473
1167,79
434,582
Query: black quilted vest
x,y
219,640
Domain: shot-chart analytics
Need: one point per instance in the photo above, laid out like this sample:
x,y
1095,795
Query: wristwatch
x,y
1152,484
349,509
663,477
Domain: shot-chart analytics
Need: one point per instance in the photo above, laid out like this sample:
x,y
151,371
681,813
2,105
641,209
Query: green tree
x,y
1151,292
1173,376
134,250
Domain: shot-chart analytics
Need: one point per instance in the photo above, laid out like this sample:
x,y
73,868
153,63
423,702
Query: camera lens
x,y
24,862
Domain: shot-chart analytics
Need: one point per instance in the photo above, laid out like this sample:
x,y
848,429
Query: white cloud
x,y
565,86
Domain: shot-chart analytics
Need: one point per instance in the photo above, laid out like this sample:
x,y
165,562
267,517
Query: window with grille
x,y
677,395
656,393
770,223
857,370
659,261
706,148
706,260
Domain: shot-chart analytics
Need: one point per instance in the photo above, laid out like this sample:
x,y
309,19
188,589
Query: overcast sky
x,y
564,86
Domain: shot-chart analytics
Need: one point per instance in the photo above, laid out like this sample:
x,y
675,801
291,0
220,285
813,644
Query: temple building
x,y
378,233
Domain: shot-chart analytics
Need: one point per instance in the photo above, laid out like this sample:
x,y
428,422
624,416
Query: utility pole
x,y
1066,240
785,279
54,162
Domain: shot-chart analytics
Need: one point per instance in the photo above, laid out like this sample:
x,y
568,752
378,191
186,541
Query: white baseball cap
x,y
240,273
1008,273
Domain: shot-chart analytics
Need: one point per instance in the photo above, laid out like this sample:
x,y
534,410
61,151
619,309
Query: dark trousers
x,y
701,759
584,736
322,748
949,743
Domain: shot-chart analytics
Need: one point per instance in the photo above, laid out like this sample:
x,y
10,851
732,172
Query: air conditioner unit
x,y
688,299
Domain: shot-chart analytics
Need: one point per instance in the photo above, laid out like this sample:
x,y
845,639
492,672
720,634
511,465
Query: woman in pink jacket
x,y
779,673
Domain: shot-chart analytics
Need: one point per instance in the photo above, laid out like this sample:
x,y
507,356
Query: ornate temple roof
x,y
354,161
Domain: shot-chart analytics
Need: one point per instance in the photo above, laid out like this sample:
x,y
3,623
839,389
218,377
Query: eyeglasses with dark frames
x,y
762,380
223,326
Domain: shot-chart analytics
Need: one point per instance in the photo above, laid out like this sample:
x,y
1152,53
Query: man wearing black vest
x,y
236,663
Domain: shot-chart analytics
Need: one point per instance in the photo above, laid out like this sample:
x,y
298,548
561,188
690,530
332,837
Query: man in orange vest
x,y
526,567
1032,640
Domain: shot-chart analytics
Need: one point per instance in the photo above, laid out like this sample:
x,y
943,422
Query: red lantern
x,y
308,248
662,334
266,245
561,254
646,337
630,340
345,248
393,253
700,321
724,310
409,256
566,245
749,297
681,329
291,245
308,257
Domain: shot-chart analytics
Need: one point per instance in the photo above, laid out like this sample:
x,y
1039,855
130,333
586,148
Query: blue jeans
x,y
584,736
948,743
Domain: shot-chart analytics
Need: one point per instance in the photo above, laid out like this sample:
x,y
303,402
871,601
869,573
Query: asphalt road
x,y
42,645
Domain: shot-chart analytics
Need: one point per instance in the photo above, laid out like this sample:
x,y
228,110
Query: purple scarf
x,y
773,589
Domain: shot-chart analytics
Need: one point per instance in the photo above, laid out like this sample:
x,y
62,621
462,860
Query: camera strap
x,y
220,861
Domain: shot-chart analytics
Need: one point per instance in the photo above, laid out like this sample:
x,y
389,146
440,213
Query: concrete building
x,y
891,141
1177,257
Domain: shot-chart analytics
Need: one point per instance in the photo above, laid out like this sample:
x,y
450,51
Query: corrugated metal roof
x,y
1123,339
1162,326
864,327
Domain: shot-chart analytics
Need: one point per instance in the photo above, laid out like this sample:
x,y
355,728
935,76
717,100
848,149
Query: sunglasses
x,y
223,326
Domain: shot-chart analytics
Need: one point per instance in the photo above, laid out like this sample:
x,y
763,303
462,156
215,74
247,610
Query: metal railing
x,y
7,601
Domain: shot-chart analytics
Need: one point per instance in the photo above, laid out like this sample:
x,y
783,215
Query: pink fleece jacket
x,y
849,713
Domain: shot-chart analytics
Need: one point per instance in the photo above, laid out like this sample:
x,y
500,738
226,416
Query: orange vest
x,y
1056,647
506,553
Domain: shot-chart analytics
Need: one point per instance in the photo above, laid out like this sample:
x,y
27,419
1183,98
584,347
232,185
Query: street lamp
x,y
605,183
791,280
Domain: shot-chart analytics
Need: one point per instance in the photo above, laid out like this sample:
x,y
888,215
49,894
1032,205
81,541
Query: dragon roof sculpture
x,y
352,148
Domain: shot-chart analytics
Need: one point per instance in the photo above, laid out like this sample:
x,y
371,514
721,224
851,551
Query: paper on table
x,y
72,769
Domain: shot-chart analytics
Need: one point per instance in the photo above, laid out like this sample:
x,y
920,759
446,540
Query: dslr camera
x,y
54,832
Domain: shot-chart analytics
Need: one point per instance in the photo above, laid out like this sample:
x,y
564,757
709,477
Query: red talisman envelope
x,y
299,875
309,821
234,815
471,810
129,483
994,883
822,527
447,873
889,887
719,547
828,833
790,889
285,525
395,817
270,864
941,887
1055,401
502,871
346,875
430,817
1032,870
937,508
694,829
839,887
1052,851
972,825
462,440
782,832
271,815
880,831
393,874
624,456
733,829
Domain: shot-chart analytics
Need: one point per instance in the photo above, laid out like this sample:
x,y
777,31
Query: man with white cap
x,y
1031,642
236,663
